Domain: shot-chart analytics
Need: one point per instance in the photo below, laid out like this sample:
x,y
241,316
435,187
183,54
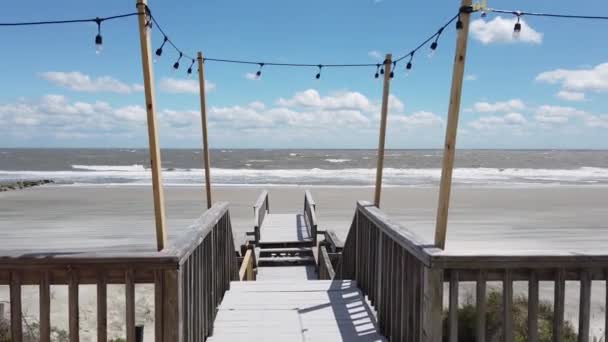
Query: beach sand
x,y
482,219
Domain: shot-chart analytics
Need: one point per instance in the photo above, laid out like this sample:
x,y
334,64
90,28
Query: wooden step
x,y
285,261
285,244
283,252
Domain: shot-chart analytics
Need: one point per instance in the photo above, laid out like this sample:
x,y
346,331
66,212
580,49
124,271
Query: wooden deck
x,y
284,228
315,310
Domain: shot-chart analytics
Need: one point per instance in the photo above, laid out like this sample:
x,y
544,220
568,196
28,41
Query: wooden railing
x,y
246,271
190,279
404,279
310,216
260,209
325,267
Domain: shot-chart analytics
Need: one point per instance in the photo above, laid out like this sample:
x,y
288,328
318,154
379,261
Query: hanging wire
x,y
552,15
151,21
71,21
304,65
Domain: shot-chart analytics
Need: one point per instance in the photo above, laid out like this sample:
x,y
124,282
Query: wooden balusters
x,y
130,305
15,293
481,307
533,307
606,306
45,307
558,306
453,310
584,307
507,306
74,322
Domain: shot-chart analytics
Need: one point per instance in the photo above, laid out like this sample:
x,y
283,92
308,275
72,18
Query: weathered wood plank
x,y
584,307
480,325
73,306
102,308
244,272
130,305
558,307
45,307
453,310
310,312
507,315
533,307
15,293
158,307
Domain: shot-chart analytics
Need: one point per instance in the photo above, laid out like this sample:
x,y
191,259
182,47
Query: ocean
x,y
327,167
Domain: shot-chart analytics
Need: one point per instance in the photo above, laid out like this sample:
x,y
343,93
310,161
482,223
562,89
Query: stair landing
x,y
288,310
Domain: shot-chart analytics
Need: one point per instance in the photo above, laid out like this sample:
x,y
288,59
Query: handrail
x,y
260,209
404,278
310,216
246,270
326,269
190,278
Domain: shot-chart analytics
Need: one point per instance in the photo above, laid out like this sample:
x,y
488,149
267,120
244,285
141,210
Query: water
x,y
308,167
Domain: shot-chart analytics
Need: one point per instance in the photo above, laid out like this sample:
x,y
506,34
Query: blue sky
x,y
546,90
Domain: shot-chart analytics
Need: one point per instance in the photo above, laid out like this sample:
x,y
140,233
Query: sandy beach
x,y
482,219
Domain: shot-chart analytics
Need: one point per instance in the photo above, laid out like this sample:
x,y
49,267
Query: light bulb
x,y
98,44
517,30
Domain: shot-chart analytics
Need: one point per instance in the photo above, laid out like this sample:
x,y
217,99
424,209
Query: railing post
x,y
433,305
172,295
201,82
452,127
388,63
154,147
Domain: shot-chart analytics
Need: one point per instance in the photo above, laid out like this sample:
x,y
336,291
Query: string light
x,y
392,74
517,27
190,68
98,37
408,66
459,23
176,64
159,51
151,23
435,43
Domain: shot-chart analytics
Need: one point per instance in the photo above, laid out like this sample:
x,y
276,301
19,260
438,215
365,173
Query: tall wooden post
x,y
201,81
445,185
157,182
388,63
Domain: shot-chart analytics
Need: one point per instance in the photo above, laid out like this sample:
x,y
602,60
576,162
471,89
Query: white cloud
x,y
131,113
570,95
557,114
501,106
341,100
55,113
375,55
578,80
600,121
470,77
305,114
485,123
417,119
176,86
500,30
78,81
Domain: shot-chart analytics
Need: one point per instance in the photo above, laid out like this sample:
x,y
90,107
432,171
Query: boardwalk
x,y
287,302
314,310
